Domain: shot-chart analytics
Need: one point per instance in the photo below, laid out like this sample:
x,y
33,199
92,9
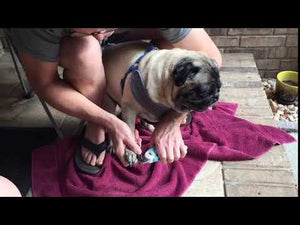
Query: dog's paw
x,y
147,125
130,157
151,127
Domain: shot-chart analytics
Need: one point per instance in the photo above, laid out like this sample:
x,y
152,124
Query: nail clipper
x,y
150,156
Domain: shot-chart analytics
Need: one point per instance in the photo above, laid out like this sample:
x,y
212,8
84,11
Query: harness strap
x,y
141,95
134,66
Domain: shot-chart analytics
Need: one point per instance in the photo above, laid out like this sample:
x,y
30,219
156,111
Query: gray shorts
x,y
44,43
172,35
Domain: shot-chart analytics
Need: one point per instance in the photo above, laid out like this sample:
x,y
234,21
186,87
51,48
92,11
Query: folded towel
x,y
213,135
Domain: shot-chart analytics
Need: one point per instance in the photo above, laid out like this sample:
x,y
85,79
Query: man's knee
x,y
80,52
83,68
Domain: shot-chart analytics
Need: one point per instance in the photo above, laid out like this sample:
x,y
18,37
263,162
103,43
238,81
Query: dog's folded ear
x,y
184,70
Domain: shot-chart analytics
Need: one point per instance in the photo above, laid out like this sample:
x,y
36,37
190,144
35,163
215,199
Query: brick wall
x,y
274,49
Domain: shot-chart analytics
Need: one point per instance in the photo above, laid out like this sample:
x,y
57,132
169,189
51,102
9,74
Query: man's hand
x,y
167,138
122,136
101,37
96,32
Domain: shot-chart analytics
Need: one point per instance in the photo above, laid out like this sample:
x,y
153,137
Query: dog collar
x,y
139,90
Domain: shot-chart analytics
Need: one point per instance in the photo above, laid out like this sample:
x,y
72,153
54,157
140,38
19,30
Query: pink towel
x,y
214,134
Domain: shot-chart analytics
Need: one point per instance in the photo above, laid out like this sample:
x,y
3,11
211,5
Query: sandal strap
x,y
97,149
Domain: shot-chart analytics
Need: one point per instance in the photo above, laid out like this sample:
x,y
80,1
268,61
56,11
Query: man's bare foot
x,y
90,158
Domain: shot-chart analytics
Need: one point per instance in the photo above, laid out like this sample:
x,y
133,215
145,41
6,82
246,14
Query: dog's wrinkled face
x,y
198,82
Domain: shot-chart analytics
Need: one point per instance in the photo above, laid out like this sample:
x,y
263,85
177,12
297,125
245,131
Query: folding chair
x,y
29,93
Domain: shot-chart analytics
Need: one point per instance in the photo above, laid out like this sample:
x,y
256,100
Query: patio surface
x,y
270,175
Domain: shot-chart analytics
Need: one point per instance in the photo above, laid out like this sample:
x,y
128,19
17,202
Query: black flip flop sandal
x,y
94,148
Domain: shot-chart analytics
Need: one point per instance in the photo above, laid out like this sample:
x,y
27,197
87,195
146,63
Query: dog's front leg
x,y
129,117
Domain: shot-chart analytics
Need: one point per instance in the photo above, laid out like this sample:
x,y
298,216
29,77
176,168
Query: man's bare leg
x,y
83,70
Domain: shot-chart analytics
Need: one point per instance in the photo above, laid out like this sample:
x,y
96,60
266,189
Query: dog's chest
x,y
148,116
150,110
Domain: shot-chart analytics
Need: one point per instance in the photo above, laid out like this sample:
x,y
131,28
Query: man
x,y
80,93
8,188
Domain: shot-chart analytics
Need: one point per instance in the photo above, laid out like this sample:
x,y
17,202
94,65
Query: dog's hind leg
x,y
110,106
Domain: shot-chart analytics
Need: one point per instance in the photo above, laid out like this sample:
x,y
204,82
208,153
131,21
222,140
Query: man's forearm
x,y
199,40
64,98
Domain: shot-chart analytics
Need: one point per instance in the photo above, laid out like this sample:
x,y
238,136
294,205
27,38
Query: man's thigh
x,y
75,52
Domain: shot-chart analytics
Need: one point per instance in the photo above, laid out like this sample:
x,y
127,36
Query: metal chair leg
x,y
80,127
56,127
28,93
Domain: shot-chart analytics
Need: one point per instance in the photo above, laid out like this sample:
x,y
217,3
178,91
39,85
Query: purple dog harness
x,y
139,90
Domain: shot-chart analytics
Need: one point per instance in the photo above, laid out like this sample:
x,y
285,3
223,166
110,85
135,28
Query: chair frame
x,y
29,93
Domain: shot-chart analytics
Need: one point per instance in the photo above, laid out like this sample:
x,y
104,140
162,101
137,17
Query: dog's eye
x,y
198,89
202,90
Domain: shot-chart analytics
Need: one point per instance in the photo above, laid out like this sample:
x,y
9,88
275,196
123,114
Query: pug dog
x,y
175,79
